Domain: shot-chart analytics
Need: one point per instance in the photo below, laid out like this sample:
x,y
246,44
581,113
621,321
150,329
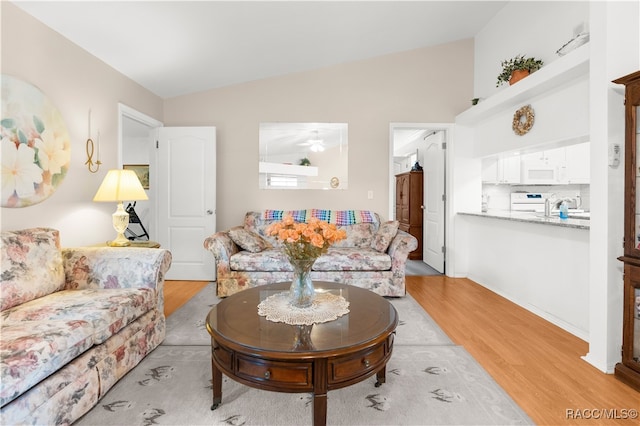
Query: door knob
x,y
209,211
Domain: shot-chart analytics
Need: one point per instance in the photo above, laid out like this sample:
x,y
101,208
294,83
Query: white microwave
x,y
541,174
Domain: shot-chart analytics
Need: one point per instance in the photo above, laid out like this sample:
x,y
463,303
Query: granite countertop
x,y
531,217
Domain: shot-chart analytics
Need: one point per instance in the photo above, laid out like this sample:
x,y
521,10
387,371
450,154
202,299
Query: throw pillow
x,y
248,240
384,236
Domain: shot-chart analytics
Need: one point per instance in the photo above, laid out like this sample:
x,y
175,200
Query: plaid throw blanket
x,y
298,215
336,217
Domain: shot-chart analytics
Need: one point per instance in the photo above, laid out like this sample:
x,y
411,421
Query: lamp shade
x,y
120,185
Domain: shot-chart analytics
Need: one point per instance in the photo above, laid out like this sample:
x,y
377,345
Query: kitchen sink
x,y
581,215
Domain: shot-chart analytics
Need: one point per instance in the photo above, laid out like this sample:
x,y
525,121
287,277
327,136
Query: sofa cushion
x,y
248,240
351,259
270,260
359,235
31,265
31,351
336,259
386,233
108,310
41,336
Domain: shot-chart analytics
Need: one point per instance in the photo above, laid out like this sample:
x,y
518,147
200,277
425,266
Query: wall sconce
x,y
93,168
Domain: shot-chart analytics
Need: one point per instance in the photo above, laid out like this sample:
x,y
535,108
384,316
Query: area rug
x,y
418,267
430,381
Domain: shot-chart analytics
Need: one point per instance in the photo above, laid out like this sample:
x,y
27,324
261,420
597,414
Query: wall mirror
x,y
303,156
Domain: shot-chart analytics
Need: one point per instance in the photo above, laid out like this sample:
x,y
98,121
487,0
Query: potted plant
x,y
517,68
305,162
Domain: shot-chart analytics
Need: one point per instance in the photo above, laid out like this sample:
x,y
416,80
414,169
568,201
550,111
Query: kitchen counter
x,y
531,217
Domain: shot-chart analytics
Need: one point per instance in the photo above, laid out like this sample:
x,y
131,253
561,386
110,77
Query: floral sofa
x,y
373,256
72,323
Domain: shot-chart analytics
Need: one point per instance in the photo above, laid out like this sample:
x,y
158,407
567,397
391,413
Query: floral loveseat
x,y
373,256
72,323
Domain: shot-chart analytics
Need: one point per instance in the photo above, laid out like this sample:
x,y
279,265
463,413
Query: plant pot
x,y
518,75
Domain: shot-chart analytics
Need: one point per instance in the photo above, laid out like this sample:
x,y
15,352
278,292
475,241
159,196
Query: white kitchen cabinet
x,y
578,163
558,166
490,170
546,167
501,169
548,157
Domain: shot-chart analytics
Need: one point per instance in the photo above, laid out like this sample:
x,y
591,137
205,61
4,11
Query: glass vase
x,y
301,292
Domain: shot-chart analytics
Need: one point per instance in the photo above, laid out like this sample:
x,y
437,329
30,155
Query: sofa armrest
x,y
401,245
222,247
111,267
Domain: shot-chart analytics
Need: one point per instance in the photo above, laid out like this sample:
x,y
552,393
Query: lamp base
x,y
120,223
121,241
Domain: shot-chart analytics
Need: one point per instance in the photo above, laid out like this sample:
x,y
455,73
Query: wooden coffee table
x,y
279,357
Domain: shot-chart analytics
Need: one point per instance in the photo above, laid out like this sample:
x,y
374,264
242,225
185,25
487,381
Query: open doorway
x,y
422,146
136,149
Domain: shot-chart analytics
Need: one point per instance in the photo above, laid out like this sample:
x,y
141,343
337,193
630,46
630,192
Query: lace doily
x,y
325,307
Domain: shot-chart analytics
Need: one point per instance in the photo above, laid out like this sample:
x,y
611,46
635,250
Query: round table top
x,y
235,321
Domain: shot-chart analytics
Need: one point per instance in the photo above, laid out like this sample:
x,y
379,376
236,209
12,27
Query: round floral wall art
x,y
35,144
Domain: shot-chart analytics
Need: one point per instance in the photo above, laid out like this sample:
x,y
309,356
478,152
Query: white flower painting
x,y
35,144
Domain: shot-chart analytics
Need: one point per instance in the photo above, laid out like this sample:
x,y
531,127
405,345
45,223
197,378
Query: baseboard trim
x,y
581,334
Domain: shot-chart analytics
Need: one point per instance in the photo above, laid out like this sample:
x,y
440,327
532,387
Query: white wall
x,y
76,82
560,116
530,28
429,85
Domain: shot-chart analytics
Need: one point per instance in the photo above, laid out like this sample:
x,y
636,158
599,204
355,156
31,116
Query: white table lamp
x,y
119,186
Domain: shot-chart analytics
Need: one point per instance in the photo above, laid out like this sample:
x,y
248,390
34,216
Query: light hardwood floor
x,y
535,362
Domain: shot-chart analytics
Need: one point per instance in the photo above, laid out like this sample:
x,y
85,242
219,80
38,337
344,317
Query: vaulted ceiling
x,y
174,48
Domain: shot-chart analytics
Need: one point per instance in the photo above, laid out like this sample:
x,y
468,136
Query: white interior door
x,y
434,190
186,179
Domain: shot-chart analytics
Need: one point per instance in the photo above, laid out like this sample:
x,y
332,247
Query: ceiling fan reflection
x,y
315,144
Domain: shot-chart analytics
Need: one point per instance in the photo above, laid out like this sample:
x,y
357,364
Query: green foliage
x,y
305,162
517,63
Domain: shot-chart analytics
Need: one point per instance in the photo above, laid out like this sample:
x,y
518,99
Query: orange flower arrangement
x,y
305,240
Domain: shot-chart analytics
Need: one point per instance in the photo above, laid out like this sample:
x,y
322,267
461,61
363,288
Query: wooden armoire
x,y
409,207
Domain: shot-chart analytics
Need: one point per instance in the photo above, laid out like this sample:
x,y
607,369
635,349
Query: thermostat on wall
x,y
614,155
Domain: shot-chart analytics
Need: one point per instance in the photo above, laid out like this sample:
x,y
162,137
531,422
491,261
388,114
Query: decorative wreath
x,y
523,120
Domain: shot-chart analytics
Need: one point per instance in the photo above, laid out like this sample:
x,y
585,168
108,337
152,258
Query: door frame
x,y
125,111
448,129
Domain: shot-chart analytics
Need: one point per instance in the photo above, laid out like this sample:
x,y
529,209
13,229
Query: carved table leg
x,y
319,410
381,376
320,389
216,382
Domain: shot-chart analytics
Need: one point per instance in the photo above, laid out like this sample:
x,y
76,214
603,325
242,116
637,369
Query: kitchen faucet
x,y
547,205
550,203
